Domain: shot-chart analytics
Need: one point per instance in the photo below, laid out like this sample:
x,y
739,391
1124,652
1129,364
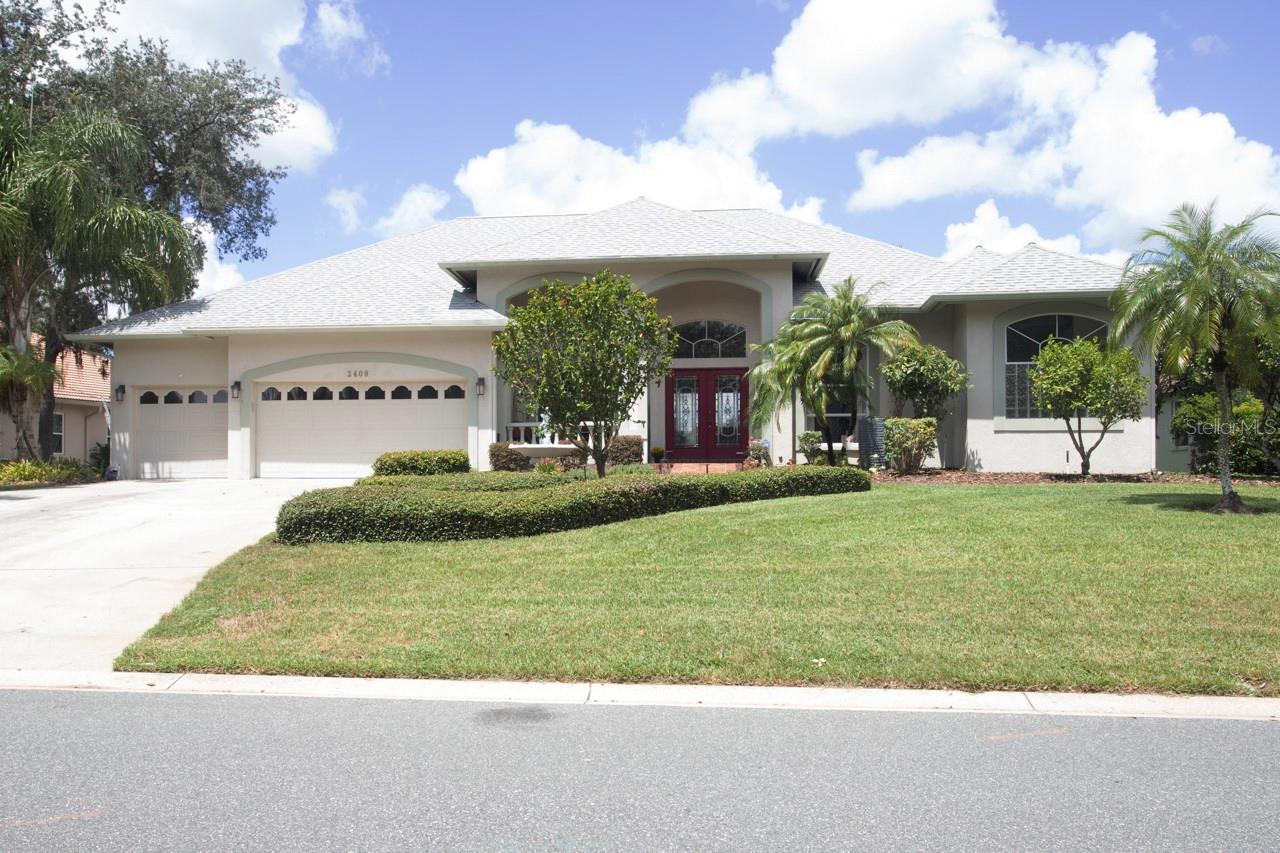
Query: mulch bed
x,y
948,477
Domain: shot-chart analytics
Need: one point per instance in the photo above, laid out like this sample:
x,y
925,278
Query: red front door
x,y
707,414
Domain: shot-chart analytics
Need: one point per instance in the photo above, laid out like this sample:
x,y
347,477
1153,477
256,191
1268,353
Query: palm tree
x,y
23,375
68,205
1202,290
818,357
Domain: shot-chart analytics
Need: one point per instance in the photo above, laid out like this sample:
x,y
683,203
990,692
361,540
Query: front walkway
x,y
84,570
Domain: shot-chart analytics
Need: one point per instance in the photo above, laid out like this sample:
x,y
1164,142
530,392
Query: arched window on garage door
x,y
348,393
220,396
400,392
271,393
173,397
197,397
428,392
297,392
148,398
375,392
322,393
454,392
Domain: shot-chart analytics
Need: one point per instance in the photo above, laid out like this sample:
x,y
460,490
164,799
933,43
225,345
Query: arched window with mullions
x,y
1022,343
711,339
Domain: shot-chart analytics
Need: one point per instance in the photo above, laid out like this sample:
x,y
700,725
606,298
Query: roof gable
x,y
638,229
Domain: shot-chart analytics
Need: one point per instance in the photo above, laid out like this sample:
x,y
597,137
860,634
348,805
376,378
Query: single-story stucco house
x,y
316,370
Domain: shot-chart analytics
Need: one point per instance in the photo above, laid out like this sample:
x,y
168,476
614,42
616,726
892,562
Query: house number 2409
x,y
357,374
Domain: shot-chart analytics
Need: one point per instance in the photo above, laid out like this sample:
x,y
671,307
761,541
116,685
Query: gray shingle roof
x,y
402,282
393,283
634,230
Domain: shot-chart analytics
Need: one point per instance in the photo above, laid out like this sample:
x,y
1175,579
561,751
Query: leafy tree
x,y
1072,381
818,356
1203,290
908,442
926,377
23,375
583,354
35,38
63,214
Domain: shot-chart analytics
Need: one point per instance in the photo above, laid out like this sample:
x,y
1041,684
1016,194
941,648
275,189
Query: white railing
x,y
532,433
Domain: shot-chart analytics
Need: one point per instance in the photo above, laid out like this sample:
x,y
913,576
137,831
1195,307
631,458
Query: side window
x,y
57,432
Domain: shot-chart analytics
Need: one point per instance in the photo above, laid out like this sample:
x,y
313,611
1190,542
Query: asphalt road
x,y
116,771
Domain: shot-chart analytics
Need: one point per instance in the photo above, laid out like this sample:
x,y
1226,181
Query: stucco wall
x,y
83,426
994,443
1169,457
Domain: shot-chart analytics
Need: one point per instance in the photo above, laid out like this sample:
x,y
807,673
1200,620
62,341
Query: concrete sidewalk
x,y
85,570
669,695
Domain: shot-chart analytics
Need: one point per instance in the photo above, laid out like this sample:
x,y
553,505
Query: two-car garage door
x,y
332,430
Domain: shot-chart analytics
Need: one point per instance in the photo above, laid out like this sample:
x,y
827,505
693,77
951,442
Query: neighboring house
x,y
315,370
79,408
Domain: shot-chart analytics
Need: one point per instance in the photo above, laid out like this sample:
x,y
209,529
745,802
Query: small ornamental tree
x,y
926,377
582,354
1078,380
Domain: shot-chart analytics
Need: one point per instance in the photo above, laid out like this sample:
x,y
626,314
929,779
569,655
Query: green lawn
x,y
1079,587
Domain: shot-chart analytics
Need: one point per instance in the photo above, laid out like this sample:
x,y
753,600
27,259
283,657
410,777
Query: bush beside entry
x,y
425,509
422,462
503,458
908,442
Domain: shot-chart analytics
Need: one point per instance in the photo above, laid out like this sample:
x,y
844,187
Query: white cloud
x,y
992,230
342,34
216,274
346,203
1207,45
254,31
1089,137
417,208
846,66
551,168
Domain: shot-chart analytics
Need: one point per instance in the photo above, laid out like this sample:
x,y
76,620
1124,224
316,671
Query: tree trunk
x,y
863,460
53,347
1230,501
826,436
1084,465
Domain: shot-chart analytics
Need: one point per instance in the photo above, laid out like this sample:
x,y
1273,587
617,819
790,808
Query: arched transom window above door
x,y
1022,343
711,339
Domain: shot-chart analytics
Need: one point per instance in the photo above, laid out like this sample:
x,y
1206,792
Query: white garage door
x,y
181,432
313,430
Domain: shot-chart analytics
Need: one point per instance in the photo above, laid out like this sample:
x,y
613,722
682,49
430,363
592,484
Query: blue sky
x,y
1070,123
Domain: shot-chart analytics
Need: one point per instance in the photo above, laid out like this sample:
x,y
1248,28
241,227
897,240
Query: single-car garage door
x,y
181,432
336,430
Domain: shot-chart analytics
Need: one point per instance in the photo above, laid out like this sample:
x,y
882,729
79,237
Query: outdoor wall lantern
x,y
480,387
119,393
235,390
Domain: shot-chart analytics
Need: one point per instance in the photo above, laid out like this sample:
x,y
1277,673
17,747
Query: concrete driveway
x,y
84,570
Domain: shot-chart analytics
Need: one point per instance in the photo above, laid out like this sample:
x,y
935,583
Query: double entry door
x,y
707,414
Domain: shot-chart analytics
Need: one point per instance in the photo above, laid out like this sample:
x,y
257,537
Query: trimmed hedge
x,y
626,450
422,462
503,458
401,511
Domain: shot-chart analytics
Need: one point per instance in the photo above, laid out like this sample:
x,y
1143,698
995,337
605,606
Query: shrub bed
x,y
381,511
53,472
422,462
